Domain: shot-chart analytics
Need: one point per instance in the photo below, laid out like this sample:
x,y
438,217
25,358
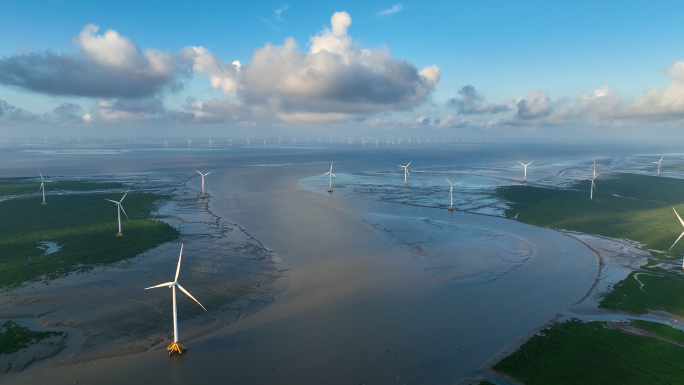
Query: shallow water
x,y
369,300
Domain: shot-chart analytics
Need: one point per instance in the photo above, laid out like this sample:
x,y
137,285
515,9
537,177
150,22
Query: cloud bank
x,y
108,65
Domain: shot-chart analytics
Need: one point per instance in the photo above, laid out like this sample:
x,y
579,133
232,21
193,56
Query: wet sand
x,y
359,308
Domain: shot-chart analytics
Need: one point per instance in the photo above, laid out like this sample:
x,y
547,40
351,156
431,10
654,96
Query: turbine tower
x,y
203,175
680,235
593,186
175,346
42,187
661,159
406,173
330,173
525,177
451,194
119,209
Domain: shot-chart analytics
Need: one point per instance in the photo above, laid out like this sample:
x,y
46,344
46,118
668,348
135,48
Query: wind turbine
x,y
210,142
230,141
525,178
405,170
119,209
376,143
330,190
661,159
166,143
203,175
680,235
451,194
247,142
189,141
67,140
175,346
593,186
42,187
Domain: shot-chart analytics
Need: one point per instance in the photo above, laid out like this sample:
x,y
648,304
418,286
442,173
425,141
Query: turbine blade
x,y
521,163
198,171
190,295
680,237
680,218
112,201
124,197
124,211
448,181
179,262
408,164
208,173
333,175
160,285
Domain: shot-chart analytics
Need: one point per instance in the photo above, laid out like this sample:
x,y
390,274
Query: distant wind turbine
x,y
406,172
525,178
210,142
189,141
247,141
175,346
330,173
451,194
230,142
166,143
661,159
119,209
203,175
593,186
42,187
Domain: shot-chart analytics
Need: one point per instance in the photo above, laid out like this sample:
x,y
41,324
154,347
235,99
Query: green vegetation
x,y
16,186
658,293
574,352
14,337
84,226
634,207
663,331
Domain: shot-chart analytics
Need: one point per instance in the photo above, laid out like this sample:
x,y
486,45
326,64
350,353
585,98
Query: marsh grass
x,y
632,207
659,292
83,225
14,337
17,186
574,352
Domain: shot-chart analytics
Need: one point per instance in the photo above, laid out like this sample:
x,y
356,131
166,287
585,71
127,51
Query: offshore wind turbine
x,y
330,173
210,142
166,143
680,235
189,141
661,159
525,178
42,187
203,175
451,194
119,209
175,346
406,172
230,142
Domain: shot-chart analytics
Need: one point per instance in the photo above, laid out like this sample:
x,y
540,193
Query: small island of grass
x,y
81,228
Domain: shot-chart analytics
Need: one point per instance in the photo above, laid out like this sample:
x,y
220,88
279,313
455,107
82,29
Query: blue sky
x,y
468,65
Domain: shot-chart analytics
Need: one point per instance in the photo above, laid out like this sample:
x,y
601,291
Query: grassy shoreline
x,y
82,227
574,352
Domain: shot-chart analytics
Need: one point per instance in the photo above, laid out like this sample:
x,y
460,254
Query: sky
x,y
442,68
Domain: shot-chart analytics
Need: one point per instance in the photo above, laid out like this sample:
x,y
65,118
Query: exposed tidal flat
x,y
356,296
